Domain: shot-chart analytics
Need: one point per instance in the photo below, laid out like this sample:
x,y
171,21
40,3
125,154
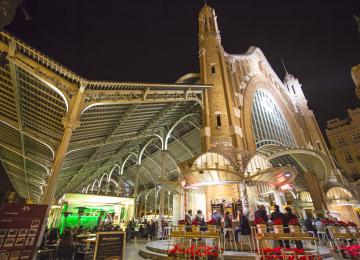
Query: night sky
x,y
156,41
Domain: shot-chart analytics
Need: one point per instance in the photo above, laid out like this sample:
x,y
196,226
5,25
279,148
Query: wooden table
x,y
88,241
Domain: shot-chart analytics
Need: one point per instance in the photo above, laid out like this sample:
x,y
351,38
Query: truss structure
x,y
55,122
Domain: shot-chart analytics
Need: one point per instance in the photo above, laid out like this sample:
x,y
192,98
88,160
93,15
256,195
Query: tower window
x,y
348,157
213,68
218,120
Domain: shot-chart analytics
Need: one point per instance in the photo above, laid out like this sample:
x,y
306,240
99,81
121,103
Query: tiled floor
x,y
132,251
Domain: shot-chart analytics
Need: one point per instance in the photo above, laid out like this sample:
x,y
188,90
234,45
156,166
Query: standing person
x,y
261,213
148,230
188,220
53,236
227,223
188,217
279,215
152,229
216,217
66,249
201,219
308,223
227,220
289,216
244,226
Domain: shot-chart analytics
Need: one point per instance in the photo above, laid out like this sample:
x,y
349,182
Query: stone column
x,y
155,196
316,193
176,208
279,200
136,191
145,208
107,187
244,198
162,191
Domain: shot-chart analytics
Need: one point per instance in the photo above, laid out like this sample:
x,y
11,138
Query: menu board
x,y
218,207
20,228
110,246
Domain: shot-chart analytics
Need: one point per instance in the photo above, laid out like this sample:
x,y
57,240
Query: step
x,y
148,254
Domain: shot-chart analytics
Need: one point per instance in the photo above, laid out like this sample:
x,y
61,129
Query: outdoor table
x,y
86,235
45,253
88,241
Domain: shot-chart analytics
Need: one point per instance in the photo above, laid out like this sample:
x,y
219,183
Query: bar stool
x,y
245,242
231,232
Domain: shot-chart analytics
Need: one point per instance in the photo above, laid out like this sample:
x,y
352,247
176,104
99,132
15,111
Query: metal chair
x,y
231,232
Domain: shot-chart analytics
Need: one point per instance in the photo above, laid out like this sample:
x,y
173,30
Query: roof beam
x,y
14,79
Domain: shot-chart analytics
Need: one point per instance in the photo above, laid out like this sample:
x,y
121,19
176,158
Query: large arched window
x,y
269,124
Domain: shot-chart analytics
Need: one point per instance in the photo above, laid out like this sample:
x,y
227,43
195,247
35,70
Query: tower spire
x,y
282,61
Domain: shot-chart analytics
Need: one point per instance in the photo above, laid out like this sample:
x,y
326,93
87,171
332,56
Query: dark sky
x,y
156,41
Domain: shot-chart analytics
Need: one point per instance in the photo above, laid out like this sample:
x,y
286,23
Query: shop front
x,y
76,210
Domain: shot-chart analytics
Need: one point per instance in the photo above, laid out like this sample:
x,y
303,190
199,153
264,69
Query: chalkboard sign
x,y
110,246
20,228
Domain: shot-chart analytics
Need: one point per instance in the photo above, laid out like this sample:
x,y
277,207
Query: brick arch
x,y
259,82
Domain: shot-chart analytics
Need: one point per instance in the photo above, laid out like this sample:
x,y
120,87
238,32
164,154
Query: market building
x,y
232,136
355,74
344,137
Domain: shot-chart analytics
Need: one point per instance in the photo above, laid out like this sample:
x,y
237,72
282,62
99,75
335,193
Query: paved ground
x,y
132,251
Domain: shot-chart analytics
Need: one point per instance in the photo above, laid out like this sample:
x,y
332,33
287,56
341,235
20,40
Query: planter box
x,y
278,229
261,228
294,229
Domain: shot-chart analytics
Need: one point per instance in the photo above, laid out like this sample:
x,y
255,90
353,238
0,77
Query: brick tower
x,y
219,121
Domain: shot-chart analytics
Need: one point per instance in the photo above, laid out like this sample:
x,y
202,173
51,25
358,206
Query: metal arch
x,y
114,182
102,177
87,188
32,137
151,190
151,176
125,161
93,186
173,127
137,101
169,155
146,145
140,194
112,170
35,75
192,123
185,146
300,151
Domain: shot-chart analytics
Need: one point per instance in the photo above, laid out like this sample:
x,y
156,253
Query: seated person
x,y
244,226
66,248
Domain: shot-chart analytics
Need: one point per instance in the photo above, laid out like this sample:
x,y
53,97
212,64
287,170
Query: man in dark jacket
x,y
289,215
279,215
261,213
244,226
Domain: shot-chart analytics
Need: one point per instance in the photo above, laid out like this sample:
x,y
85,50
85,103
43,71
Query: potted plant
x,y
278,226
260,225
294,225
